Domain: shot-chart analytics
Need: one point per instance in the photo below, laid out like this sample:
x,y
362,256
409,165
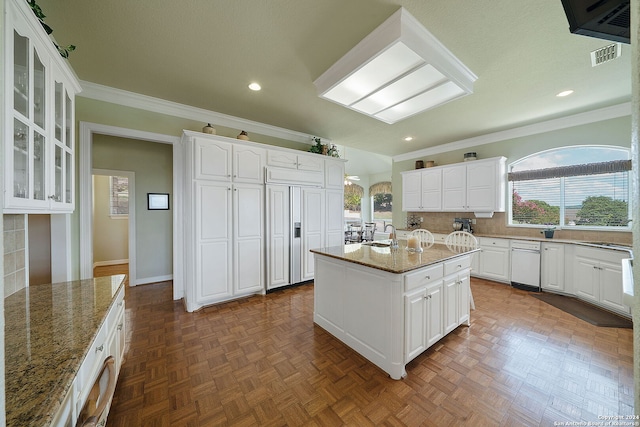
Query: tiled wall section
x,y
442,222
15,274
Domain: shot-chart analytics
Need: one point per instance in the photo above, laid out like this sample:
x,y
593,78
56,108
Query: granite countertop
x,y
392,260
48,331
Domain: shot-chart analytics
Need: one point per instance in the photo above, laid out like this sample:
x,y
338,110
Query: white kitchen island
x,y
390,305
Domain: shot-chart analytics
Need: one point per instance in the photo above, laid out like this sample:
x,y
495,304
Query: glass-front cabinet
x,y
39,144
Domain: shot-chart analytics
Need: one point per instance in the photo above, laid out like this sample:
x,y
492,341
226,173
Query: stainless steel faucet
x,y
394,237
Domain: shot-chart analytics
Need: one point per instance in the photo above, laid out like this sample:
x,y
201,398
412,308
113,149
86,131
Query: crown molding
x,y
161,106
607,113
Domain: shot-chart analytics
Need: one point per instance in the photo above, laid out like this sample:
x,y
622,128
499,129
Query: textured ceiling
x,y
204,53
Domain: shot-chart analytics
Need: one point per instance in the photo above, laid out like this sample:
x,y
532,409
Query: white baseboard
x,y
147,280
112,262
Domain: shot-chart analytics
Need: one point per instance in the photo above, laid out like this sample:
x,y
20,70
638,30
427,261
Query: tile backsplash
x,y
442,222
15,273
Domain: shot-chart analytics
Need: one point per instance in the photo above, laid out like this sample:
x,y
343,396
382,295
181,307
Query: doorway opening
x,y
113,221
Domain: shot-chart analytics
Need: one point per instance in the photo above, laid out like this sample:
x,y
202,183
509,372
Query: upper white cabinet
x,y
422,190
477,186
285,159
334,174
40,131
215,159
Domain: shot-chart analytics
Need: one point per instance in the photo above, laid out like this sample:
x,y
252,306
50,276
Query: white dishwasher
x,y
525,265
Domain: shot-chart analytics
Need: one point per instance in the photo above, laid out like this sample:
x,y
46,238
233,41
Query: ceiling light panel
x,y
397,71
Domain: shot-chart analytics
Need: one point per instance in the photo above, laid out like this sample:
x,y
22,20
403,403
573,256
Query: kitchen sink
x,y
377,244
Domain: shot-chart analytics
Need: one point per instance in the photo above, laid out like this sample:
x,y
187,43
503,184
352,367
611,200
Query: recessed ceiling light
x,y
564,93
255,86
408,138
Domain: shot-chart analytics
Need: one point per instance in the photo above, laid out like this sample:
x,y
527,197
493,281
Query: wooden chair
x,y
426,238
462,241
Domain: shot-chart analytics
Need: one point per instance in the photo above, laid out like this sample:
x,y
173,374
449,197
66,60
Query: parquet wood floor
x,y
261,361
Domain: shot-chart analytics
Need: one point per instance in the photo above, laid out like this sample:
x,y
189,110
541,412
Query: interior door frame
x,y
87,131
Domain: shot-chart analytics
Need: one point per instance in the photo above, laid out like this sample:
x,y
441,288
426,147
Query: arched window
x,y
572,187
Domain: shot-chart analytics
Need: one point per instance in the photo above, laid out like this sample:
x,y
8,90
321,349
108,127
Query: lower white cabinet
x,y
423,314
552,267
457,290
493,259
313,223
597,277
228,242
109,342
435,306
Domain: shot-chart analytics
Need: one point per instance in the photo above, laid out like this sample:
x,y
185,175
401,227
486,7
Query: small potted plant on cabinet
x,y
548,231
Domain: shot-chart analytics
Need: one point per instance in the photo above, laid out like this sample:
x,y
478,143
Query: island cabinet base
x,y
390,318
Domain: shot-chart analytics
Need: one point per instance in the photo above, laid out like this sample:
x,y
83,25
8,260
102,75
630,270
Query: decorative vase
x,y
243,136
419,164
209,129
325,149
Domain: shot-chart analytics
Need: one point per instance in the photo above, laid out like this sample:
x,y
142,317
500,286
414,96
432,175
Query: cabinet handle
x,y
235,176
120,327
120,303
428,277
100,348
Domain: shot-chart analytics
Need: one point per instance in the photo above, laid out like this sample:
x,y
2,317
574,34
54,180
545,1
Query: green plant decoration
x,y
317,147
37,10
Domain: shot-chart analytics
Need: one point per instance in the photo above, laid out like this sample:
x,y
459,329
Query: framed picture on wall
x,y
158,201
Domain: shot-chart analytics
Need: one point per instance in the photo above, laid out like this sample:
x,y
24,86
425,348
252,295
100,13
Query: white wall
x,y
110,235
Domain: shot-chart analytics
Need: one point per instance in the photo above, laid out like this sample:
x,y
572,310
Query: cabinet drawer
x,y
93,360
422,277
499,243
118,305
458,264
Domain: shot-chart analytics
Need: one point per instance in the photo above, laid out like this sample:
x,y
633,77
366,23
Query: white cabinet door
x,y
212,160
415,309
451,305
248,207
454,188
277,236
552,266
481,186
464,296
213,229
611,285
311,162
334,174
585,278
494,259
431,193
335,218
312,227
40,90
435,301
248,164
411,191
423,319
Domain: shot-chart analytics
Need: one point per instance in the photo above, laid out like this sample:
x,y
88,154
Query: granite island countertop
x,y
385,258
48,331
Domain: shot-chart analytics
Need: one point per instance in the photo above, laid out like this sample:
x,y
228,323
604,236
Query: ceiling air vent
x,y
606,54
